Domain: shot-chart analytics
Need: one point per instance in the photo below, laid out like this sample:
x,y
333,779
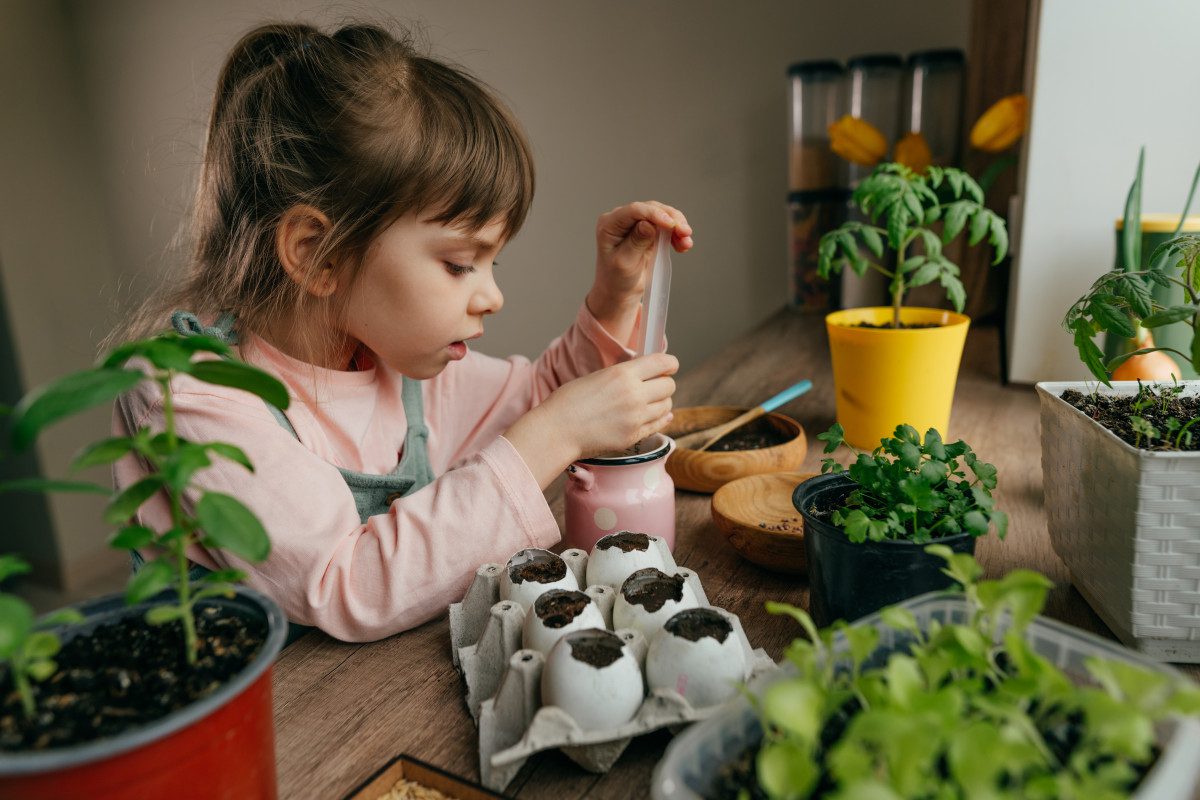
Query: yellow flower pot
x,y
884,377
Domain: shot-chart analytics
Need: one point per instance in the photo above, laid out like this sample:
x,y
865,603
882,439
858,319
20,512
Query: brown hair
x,y
356,124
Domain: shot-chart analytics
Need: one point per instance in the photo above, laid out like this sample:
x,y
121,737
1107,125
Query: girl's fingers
x,y
659,388
654,365
662,215
658,409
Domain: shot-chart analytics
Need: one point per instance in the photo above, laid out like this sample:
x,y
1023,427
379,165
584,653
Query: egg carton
x,y
504,681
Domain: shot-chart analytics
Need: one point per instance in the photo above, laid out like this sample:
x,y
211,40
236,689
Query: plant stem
x,y
21,682
898,285
179,546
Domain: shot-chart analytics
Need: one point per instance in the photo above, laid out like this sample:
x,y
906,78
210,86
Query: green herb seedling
x,y
958,709
914,490
25,647
217,520
907,204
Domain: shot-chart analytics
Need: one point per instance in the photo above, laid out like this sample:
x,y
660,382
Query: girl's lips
x,y
458,350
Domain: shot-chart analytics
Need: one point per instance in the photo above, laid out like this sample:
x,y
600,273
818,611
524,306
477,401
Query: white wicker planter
x,y
1127,524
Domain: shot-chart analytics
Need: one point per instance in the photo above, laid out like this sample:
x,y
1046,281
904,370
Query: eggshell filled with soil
x,y
648,598
594,677
618,555
533,571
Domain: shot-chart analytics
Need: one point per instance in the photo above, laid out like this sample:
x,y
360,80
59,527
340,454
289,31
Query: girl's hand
x,y
604,412
625,240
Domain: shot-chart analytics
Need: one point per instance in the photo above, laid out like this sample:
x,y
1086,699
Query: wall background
x,y
1107,77
679,101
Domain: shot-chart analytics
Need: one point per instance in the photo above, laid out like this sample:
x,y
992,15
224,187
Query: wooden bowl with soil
x,y
757,517
771,443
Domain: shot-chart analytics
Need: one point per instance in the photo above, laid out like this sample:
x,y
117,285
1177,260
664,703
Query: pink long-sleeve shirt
x,y
364,581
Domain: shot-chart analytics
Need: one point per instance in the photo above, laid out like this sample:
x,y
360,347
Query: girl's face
x,y
422,293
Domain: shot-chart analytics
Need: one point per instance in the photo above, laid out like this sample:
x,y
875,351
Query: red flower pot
x,y
220,747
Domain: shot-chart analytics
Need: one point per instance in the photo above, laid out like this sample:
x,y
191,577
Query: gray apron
x,y
373,494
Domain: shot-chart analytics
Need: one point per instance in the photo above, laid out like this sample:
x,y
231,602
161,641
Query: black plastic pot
x,y
848,580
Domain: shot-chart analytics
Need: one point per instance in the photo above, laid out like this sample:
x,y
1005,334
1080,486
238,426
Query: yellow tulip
x,y
913,152
1001,125
857,140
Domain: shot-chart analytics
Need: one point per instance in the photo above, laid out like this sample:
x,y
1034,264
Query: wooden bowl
x,y
757,517
707,471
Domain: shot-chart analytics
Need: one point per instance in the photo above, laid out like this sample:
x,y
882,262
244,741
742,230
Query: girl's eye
x,y
459,269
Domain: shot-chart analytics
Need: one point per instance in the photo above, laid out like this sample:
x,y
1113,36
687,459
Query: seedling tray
x,y
503,681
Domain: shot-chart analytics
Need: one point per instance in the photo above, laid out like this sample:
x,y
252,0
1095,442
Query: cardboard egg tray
x,y
504,681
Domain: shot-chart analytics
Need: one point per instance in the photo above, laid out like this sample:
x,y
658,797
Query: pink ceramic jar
x,y
621,493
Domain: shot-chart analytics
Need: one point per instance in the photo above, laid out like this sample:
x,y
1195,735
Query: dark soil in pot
x,y
124,675
1154,406
754,435
904,326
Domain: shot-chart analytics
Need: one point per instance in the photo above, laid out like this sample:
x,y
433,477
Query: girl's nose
x,y
487,299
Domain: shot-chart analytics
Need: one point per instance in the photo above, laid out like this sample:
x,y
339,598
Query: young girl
x,y
354,197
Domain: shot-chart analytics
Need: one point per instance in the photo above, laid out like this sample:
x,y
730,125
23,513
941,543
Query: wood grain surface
x,y
344,710
757,517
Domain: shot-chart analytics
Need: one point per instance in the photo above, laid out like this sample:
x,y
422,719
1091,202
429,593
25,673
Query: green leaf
x,y
132,537
907,433
975,523
230,525
12,565
223,576
795,706
962,567
164,350
230,452
901,619
833,437
955,179
1111,319
105,451
998,238
160,615
903,679
181,465
872,240
986,473
1170,315
126,504
66,396
16,621
41,670
52,485
1131,230
41,645
242,376
1135,291
856,524
1091,355
215,590
956,219
168,354
954,290
64,616
909,455
928,273
152,578
979,227
912,263
785,769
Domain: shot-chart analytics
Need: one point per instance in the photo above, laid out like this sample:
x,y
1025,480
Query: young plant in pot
x,y
866,527
898,364
1121,459
164,690
946,696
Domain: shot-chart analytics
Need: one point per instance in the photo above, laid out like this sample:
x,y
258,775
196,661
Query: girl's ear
x,y
298,236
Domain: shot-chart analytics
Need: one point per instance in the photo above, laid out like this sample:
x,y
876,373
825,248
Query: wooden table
x,y
343,710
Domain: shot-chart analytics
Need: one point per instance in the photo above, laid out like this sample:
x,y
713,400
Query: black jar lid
x,y
820,68
873,60
946,56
